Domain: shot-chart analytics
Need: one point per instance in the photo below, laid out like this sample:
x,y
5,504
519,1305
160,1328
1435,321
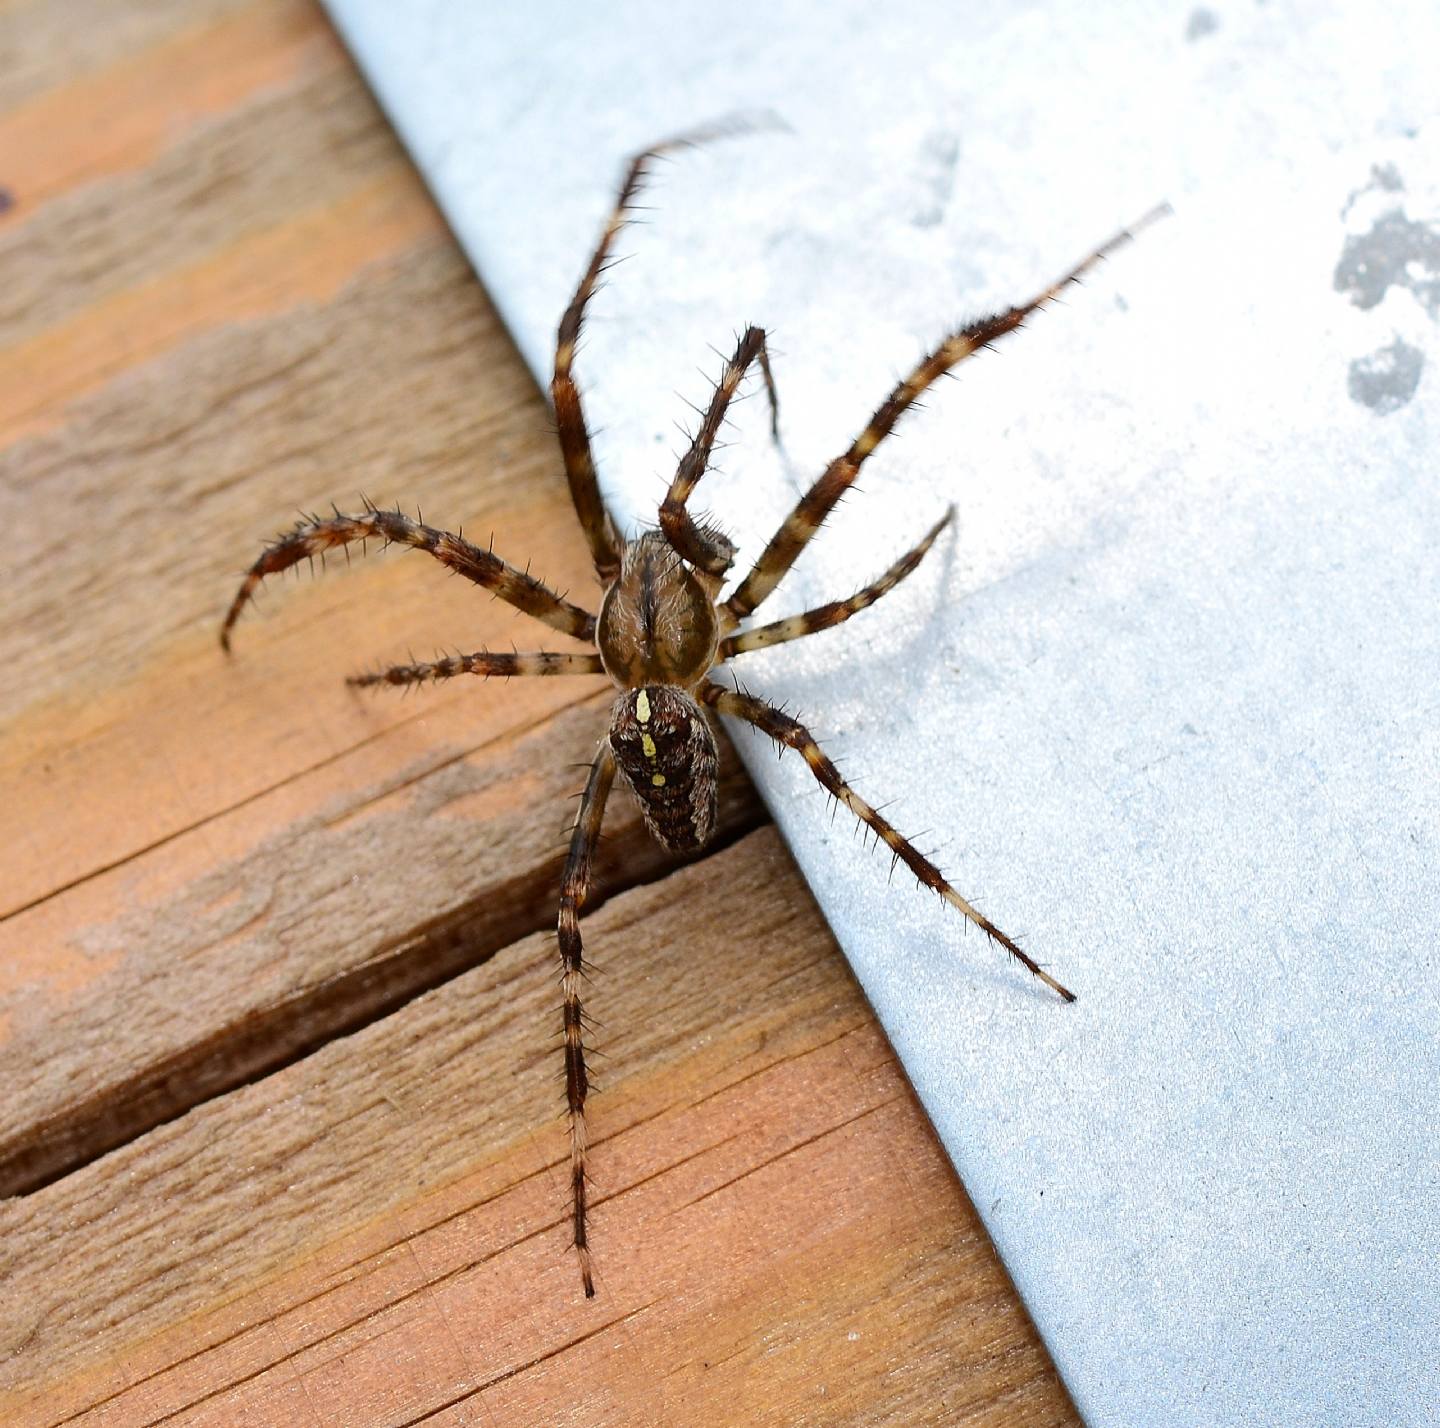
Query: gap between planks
x,y
444,943
382,1227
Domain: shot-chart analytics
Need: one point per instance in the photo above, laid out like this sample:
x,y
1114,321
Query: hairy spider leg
x,y
516,587
835,612
817,503
483,663
595,520
706,548
574,888
790,733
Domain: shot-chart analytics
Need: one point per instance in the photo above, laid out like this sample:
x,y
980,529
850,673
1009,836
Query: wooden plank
x,y
224,295
377,1234
296,917
48,47
117,116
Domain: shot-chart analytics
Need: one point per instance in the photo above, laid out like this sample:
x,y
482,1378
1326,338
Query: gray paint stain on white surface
x,y
1395,252
1202,22
1387,378
1392,254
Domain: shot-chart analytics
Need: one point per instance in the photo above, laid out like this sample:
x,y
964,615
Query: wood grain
x,y
277,1001
398,1197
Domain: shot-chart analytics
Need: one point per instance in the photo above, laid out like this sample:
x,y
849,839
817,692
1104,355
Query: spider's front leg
x,y
314,536
606,547
574,888
817,503
703,547
792,734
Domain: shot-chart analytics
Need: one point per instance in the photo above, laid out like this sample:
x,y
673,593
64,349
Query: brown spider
x,y
663,628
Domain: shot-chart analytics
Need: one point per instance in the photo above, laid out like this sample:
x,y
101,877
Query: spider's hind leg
x,y
705,548
574,888
790,733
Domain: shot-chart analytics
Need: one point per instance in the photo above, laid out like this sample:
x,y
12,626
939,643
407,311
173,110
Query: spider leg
x,y
790,733
516,587
574,888
817,503
599,528
707,548
836,612
484,663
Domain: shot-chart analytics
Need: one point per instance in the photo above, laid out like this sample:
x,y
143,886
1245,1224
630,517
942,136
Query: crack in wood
x,y
434,952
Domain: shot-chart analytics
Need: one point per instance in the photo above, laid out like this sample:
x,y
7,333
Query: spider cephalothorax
x,y
658,620
663,629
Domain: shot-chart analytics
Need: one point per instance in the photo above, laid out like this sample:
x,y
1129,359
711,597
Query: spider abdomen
x,y
664,747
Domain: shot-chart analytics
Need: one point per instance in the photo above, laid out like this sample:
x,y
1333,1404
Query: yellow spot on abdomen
x,y
648,745
642,707
658,780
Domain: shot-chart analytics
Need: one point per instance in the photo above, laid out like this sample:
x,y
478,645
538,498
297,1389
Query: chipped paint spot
x,y
1202,22
1385,380
1396,252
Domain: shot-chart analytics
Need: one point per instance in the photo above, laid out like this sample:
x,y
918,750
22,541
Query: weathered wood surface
x,y
280,1128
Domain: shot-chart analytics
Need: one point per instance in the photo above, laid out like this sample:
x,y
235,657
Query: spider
x,y
663,629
